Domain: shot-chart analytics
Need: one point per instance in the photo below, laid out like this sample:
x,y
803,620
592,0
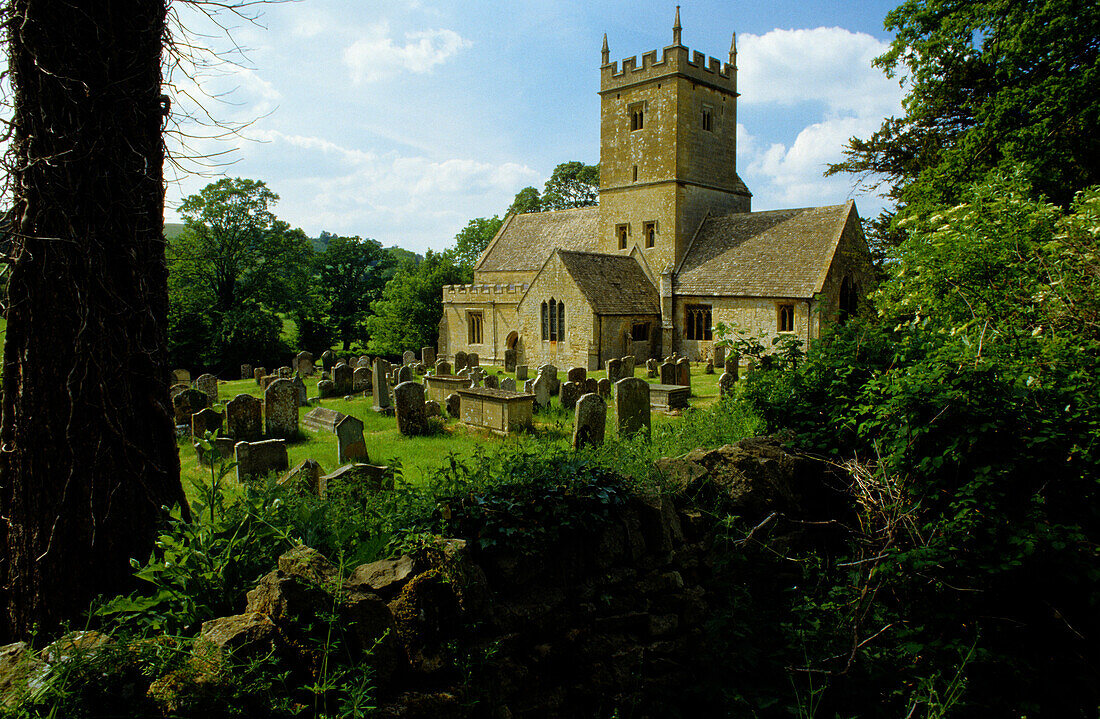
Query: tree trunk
x,y
88,451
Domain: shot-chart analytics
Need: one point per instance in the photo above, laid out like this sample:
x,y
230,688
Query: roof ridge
x,y
773,212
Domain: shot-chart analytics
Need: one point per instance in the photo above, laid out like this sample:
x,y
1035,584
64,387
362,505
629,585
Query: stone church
x,y
673,247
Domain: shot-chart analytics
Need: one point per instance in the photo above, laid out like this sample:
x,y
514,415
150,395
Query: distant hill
x,y
172,230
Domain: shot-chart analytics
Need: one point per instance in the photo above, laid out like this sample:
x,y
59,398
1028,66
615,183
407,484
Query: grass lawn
x,y
420,456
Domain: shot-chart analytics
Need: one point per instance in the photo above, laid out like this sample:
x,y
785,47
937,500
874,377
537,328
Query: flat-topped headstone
x,y
460,361
360,380
589,420
381,391
521,373
206,420
187,403
570,393
284,372
208,383
472,360
350,444
222,447
181,376
342,376
632,405
303,363
733,364
408,401
259,373
281,409
300,386
509,360
719,356
328,360
427,356
408,357
552,373
577,374
244,417
322,419
256,459
246,371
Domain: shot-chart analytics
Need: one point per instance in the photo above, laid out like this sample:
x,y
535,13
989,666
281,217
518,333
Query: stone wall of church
x,y
758,315
616,332
497,307
574,351
853,261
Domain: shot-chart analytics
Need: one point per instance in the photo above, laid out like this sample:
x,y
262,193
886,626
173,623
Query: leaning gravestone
x,y
589,420
460,361
570,392
243,417
668,372
521,373
632,405
246,371
281,409
603,387
360,380
187,403
472,360
408,400
303,363
381,387
208,383
726,383
328,360
509,360
577,374
206,420
322,419
542,389
427,356
683,372
508,384
350,445
408,357
614,370
256,459
454,405
432,408
342,376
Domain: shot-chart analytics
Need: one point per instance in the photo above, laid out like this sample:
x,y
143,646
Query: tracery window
x,y
553,321
785,321
697,322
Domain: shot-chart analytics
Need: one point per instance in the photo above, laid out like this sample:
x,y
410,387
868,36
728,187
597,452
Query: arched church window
x,y
553,314
561,321
849,300
545,322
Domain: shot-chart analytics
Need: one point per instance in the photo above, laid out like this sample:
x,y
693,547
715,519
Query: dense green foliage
x,y
407,317
572,184
472,240
350,276
969,404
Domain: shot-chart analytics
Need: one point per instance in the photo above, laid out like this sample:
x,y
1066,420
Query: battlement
x,y
674,60
466,294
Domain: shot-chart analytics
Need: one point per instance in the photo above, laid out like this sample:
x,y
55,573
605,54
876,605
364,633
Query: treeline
x,y
244,286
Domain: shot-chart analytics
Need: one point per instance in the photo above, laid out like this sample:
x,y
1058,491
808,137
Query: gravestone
x,y
181,376
529,386
266,380
326,388
683,372
222,446
709,368
733,364
427,356
408,400
259,373
521,373
432,409
570,392
256,459
375,478
281,409
350,445
442,367
614,370
303,363
454,405
509,360
603,387
726,383
472,360
577,374
492,381
508,384
460,361
244,418
542,389
284,372
342,376
300,386
404,374
628,365
668,372
632,405
589,420
720,356
381,387
187,403
360,380
591,386
652,368
322,419
246,371
408,357
305,475
328,360
364,362
176,389
206,420
555,383
208,383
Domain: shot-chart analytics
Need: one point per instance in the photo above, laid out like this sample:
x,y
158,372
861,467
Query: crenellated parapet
x,y
483,293
675,60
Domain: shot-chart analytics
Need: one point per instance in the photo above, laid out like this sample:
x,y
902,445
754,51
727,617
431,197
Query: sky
x,y
401,120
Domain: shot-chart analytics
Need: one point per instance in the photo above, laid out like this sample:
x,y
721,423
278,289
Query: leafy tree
x,y
407,317
527,200
572,184
472,240
89,448
992,85
351,274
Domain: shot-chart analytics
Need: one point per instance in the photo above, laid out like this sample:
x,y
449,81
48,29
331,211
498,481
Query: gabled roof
x,y
525,241
778,253
612,284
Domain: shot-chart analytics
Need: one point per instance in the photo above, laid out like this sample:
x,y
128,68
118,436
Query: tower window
x,y
637,116
473,324
708,119
785,320
622,232
697,322
635,173
649,232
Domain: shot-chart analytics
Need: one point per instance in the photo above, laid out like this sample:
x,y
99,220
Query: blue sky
x,y
401,120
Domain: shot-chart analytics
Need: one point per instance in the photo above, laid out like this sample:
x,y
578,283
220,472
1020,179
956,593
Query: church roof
x,y
777,253
525,241
612,284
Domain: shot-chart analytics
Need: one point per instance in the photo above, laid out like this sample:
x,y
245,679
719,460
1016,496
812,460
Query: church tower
x,y
668,150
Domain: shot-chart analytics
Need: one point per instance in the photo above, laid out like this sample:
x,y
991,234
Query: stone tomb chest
x,y
666,397
496,410
437,387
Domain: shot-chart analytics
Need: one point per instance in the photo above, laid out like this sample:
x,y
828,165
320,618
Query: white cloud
x,y
378,56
